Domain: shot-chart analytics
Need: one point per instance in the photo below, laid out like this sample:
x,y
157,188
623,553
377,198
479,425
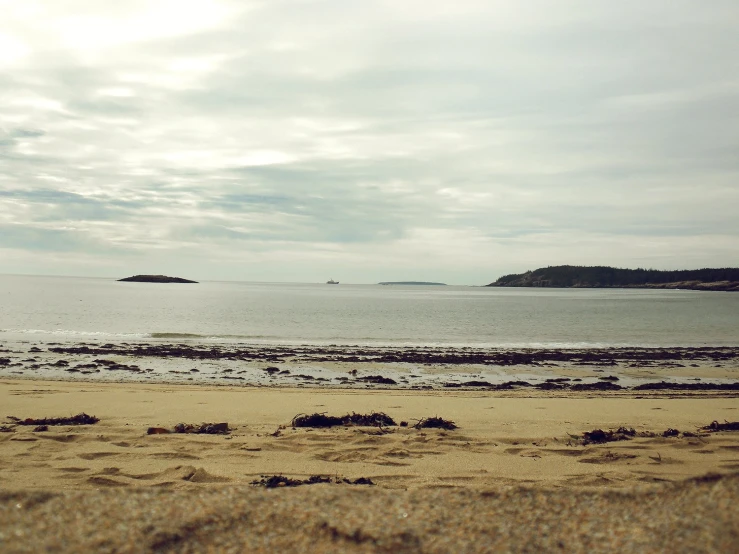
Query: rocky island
x,y
155,279
571,276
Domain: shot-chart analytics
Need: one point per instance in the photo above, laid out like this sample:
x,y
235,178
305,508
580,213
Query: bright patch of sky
x,y
297,140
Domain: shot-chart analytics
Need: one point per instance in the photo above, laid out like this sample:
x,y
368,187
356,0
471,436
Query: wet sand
x,y
515,475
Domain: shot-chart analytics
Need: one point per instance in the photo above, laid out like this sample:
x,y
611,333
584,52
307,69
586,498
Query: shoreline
x,y
409,368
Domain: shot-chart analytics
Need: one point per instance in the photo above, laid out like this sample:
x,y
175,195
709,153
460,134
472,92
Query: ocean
x,y
71,309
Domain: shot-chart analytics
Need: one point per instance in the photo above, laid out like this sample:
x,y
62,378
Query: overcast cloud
x,y
366,141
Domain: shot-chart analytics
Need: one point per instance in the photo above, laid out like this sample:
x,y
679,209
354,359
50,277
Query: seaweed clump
x,y
726,426
599,436
374,419
436,423
203,428
378,380
275,481
79,419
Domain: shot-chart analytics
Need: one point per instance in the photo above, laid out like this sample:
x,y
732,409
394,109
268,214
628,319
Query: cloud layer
x,y
300,140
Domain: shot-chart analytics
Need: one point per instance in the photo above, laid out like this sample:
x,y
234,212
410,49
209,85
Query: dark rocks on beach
x,y
600,386
607,356
513,384
265,357
378,380
477,384
155,279
549,385
663,385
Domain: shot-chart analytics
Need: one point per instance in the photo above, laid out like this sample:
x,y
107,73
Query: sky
x,y
367,141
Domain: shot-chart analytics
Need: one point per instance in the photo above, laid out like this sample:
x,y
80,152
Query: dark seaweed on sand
x,y
275,481
599,436
600,385
374,419
203,428
79,419
726,426
435,423
378,380
281,481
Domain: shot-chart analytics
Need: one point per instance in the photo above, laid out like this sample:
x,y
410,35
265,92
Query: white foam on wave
x,y
73,333
266,340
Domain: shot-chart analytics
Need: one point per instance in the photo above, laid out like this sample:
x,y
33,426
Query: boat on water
x,y
332,282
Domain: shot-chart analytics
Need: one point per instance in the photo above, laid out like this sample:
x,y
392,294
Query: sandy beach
x,y
516,466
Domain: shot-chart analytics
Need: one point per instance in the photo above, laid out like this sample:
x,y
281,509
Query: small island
x,y
412,283
155,279
572,276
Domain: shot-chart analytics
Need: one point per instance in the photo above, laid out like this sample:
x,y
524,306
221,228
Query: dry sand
x,y
510,478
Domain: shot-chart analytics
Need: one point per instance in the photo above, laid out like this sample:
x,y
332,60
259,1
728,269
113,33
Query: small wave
x,y
400,342
177,336
207,337
73,333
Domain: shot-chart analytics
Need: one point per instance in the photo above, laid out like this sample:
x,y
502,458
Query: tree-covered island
x,y
573,276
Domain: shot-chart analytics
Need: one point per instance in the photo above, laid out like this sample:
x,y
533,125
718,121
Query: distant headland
x,y
572,276
411,283
155,279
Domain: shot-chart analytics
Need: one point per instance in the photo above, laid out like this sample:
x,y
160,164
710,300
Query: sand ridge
x,y
697,515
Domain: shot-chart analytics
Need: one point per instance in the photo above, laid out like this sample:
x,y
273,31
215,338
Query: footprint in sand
x,y
97,455
114,477
343,456
514,450
105,482
59,438
566,451
174,456
608,458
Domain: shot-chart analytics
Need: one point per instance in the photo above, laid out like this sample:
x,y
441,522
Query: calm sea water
x,y
62,309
